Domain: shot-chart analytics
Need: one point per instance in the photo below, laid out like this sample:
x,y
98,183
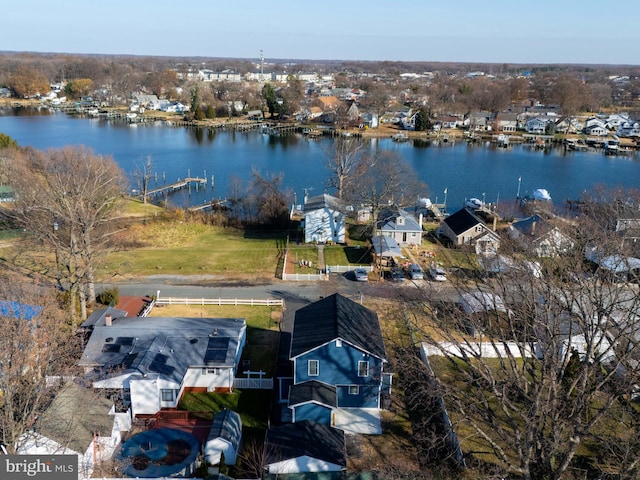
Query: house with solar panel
x,y
153,361
339,361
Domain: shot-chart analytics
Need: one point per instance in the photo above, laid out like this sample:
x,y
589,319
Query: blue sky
x,y
496,31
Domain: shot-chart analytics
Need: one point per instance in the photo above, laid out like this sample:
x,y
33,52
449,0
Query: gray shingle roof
x,y
228,426
73,417
166,346
388,221
313,391
323,201
336,317
306,438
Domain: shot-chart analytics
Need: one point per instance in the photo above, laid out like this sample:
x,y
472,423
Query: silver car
x,y
415,272
361,275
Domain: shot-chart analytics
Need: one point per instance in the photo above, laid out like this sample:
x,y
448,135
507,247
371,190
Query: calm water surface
x,y
462,170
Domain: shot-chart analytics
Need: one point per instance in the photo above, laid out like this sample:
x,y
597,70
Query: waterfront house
x,y
400,225
568,124
628,129
339,360
299,449
507,122
465,228
596,127
536,125
324,220
153,361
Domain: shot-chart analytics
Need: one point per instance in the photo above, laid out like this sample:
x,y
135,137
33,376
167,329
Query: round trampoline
x,y
159,453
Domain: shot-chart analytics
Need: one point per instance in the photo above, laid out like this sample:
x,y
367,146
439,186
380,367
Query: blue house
x,y
338,361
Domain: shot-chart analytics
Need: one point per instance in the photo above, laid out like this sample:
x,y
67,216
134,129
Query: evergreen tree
x,y
423,120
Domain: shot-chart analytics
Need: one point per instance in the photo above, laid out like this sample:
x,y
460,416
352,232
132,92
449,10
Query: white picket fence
x,y
347,268
254,302
304,276
253,383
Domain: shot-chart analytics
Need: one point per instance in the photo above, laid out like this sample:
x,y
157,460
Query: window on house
x,y
338,343
167,394
313,368
354,389
363,369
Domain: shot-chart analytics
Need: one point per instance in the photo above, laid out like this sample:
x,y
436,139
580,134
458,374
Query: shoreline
x,y
382,131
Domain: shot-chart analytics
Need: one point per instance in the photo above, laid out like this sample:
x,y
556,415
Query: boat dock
x,y
212,204
172,187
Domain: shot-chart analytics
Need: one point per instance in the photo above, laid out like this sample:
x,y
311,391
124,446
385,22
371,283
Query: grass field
x,y
184,248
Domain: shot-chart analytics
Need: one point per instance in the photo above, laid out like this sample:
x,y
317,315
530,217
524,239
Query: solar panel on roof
x,y
111,348
215,356
216,349
160,358
218,342
128,360
124,340
161,368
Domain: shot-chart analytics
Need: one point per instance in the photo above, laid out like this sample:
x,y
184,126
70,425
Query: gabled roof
x,y
306,438
228,426
313,391
529,224
462,220
74,416
97,317
320,202
388,221
336,317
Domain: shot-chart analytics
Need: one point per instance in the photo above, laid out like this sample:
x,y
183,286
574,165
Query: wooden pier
x,y
212,204
172,187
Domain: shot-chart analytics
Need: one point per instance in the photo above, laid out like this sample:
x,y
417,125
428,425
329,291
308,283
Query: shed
x,y
224,437
305,447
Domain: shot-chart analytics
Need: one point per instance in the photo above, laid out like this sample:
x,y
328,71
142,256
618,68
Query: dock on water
x,y
172,187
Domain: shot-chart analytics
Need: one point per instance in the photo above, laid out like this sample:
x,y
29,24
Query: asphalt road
x,y
295,294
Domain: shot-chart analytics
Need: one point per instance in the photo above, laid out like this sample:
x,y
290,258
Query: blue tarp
x,y
18,310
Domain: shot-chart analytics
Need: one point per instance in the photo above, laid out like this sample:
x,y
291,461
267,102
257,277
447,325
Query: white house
x,y
324,220
154,360
77,423
536,125
400,225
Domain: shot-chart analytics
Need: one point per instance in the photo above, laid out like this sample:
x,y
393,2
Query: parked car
x,y
415,272
437,273
361,275
396,275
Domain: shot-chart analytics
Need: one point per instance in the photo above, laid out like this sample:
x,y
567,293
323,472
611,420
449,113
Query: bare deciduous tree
x,y
383,179
67,198
535,369
342,161
35,342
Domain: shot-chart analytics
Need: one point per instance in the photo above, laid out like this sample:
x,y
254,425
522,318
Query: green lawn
x,y
252,405
341,255
176,247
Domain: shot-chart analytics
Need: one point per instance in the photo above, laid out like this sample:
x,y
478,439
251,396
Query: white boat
x,y
542,195
400,137
474,203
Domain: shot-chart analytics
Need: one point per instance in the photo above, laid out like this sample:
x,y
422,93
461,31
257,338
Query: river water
x,y
461,170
